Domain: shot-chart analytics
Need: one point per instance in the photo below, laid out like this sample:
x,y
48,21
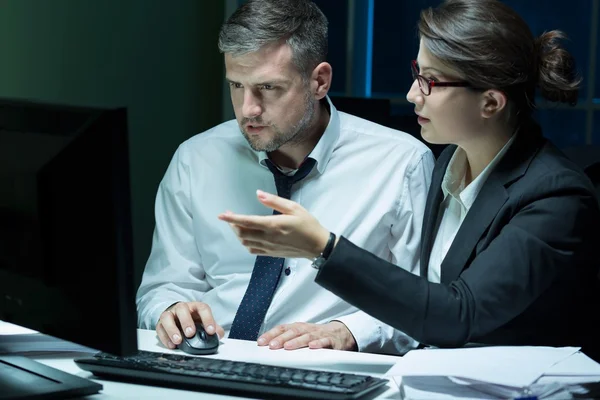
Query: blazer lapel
x,y
490,199
432,208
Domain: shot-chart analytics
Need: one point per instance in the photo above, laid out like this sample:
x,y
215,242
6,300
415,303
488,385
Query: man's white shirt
x,y
370,185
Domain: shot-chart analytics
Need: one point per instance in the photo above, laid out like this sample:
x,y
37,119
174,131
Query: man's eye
x,y
266,87
235,85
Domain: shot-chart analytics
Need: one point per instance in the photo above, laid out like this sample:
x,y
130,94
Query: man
x,y
358,178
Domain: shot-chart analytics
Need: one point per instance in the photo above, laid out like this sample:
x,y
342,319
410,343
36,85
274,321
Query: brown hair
x,y
492,47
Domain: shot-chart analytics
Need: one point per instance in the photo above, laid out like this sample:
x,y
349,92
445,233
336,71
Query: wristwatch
x,y
319,261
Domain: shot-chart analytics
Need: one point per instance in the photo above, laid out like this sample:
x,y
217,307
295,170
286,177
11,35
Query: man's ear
x,y
320,80
493,102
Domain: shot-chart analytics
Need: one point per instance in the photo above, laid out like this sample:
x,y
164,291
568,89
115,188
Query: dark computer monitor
x,y
66,265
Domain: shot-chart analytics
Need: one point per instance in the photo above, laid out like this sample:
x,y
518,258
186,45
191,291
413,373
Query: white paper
x,y
577,364
511,366
437,388
496,373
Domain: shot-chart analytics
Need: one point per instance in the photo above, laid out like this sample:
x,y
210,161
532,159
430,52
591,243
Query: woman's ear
x,y
493,102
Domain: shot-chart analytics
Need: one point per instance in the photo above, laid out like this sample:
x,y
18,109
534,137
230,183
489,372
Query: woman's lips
x,y
422,120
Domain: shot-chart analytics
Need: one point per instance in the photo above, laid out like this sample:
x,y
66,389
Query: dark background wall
x,y
384,33
159,58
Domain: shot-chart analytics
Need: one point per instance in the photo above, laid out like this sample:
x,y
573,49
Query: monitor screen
x,y
66,265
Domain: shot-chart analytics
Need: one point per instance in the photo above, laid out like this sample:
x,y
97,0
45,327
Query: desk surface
x,y
240,350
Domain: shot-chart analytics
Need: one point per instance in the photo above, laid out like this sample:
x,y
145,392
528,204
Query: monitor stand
x,y
22,378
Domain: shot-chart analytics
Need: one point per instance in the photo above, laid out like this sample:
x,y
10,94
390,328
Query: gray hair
x,y
260,22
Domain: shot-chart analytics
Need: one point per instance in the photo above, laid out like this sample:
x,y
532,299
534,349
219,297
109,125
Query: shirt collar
x,y
453,182
324,148
454,178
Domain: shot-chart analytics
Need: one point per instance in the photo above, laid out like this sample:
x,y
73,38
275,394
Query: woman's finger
x,y
280,204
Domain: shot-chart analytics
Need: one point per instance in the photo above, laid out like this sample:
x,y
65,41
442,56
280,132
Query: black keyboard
x,y
231,377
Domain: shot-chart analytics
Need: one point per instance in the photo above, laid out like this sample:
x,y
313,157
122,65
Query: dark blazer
x,y
520,271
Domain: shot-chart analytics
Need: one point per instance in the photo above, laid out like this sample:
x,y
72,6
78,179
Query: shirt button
x,y
288,271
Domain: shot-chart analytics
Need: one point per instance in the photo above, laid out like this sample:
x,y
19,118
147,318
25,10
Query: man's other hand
x,y
333,335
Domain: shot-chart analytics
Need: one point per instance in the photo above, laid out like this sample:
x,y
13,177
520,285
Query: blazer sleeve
x,y
540,245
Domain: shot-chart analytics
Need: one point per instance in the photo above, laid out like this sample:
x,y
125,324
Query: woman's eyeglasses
x,y
425,84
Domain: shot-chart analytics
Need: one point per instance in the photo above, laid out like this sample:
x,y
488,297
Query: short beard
x,y
294,135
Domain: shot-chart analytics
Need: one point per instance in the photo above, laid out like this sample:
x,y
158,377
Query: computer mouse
x,y
201,343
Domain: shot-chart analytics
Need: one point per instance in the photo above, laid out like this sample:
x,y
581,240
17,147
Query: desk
x,y
239,350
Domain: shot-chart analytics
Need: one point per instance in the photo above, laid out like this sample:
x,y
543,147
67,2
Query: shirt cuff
x,y
373,336
366,330
152,317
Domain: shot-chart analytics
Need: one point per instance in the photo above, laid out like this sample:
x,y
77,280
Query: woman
x,y
508,242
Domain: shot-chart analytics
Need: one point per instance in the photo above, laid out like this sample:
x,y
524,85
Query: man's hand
x,y
183,315
334,335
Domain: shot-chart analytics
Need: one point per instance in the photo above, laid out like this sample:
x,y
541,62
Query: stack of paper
x,y
497,372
